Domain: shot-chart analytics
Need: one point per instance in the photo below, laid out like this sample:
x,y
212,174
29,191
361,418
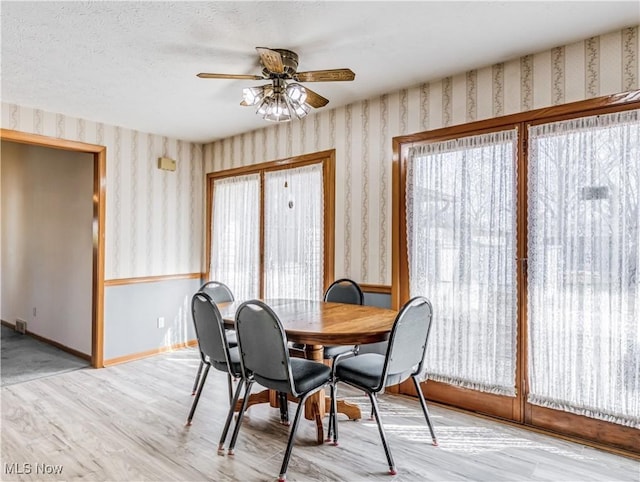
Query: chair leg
x,y
227,423
332,431
287,454
284,408
387,451
197,380
198,393
371,417
330,426
236,430
230,385
423,404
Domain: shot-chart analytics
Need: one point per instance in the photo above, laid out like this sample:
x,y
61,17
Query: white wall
x,y
362,132
46,239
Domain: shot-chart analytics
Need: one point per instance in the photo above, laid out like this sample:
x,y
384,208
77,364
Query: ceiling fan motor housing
x,y
289,61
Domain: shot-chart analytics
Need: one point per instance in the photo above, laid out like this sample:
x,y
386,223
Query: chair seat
x,y
365,371
234,359
362,370
332,351
307,375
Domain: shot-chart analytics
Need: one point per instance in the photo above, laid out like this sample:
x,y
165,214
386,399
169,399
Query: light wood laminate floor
x,y
126,423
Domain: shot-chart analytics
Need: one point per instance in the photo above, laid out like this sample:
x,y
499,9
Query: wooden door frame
x,y
495,405
99,154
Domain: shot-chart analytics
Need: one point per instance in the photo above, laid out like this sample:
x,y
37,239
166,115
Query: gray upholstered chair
x,y
264,355
219,293
342,291
214,349
372,372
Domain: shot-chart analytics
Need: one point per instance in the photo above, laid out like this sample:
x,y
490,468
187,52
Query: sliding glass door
x,y
525,236
584,264
461,242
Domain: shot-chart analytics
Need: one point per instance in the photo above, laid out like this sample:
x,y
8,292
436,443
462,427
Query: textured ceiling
x,y
134,64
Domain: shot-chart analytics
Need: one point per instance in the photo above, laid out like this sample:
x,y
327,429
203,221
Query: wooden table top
x,y
324,323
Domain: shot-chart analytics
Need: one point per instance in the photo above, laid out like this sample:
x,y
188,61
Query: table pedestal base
x,y
313,410
317,405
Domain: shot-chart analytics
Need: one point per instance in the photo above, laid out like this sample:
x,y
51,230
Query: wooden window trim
x,y
151,279
517,409
373,288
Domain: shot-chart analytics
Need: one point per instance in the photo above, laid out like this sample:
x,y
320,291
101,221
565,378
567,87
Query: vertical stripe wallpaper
x,y
361,132
154,218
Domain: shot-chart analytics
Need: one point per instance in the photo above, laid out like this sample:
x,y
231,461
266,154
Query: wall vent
x,y
21,326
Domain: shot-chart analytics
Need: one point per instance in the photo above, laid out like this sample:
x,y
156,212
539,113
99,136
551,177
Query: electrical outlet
x,y
161,322
21,326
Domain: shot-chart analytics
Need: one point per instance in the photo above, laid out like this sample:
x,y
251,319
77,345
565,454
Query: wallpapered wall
x,y
153,217
362,132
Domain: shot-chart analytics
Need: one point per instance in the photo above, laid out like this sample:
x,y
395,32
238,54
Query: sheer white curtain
x,y
235,234
584,263
293,235
461,232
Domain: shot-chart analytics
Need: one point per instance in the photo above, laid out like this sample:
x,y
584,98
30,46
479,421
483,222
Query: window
x,y
272,228
294,222
235,234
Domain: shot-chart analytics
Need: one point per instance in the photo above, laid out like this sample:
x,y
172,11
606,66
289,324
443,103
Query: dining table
x,y
314,324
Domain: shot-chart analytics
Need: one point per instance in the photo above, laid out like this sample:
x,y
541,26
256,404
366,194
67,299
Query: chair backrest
x,y
217,291
344,291
263,346
408,341
209,329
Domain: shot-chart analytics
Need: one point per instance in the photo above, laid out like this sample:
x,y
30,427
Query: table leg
x,y
255,398
351,410
315,407
273,398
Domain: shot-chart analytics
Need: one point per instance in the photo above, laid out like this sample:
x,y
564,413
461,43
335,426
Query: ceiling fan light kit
x,y
277,102
284,98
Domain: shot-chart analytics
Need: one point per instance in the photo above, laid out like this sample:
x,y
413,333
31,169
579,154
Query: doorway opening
x,y
98,154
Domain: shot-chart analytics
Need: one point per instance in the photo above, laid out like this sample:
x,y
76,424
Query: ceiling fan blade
x,y
325,75
229,76
314,99
271,59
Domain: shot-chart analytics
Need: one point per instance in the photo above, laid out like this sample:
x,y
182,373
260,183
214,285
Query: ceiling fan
x,y
284,97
